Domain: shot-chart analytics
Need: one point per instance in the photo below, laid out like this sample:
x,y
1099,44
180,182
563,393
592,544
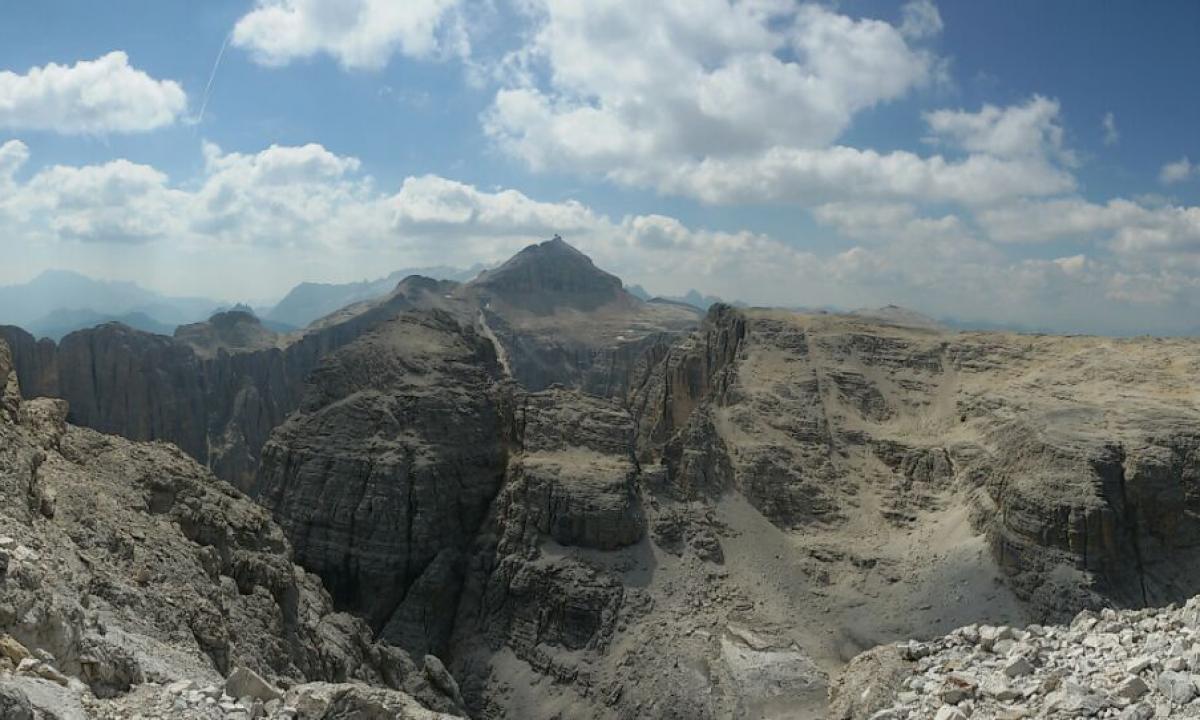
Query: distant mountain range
x,y
58,323
59,301
692,297
310,301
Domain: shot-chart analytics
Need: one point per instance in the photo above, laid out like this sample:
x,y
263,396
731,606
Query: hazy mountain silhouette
x,y
63,322
36,302
309,301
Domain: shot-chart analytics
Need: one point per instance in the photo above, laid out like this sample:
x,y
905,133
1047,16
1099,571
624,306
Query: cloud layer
x,y
284,212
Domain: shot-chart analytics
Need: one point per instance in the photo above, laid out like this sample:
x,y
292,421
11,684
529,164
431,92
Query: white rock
x,y
244,682
1138,664
179,687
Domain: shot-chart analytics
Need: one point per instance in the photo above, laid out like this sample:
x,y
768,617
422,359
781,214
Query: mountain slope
x,y
125,564
310,301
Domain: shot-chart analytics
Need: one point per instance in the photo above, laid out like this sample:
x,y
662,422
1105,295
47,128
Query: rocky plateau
x,y
569,502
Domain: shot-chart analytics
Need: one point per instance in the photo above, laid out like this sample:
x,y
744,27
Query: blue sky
x,y
1023,162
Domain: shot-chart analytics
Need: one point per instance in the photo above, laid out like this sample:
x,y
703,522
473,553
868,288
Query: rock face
x,y
506,531
387,470
230,331
1138,664
777,493
216,390
1084,499
546,277
128,563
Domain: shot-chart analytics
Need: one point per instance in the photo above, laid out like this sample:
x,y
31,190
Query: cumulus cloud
x,y
117,202
603,87
106,95
13,154
359,34
744,102
1177,171
1029,130
806,177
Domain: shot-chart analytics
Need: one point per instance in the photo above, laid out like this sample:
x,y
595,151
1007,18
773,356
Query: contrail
x,y
213,76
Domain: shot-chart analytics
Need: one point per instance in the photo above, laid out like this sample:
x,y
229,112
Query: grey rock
x,y
14,704
1178,687
1133,688
1139,711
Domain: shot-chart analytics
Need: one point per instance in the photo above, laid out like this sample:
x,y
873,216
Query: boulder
x,y
244,682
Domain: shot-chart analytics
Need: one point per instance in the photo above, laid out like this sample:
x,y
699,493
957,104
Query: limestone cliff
x,y
387,470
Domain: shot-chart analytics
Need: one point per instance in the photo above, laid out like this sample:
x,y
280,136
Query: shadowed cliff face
x,y
387,470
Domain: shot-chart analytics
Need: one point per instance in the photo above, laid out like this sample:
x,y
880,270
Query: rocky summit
x,y
535,495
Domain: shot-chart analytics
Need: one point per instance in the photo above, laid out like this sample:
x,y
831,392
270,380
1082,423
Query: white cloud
x,y
622,87
1128,227
13,155
118,202
808,177
435,204
106,95
1111,135
1031,130
888,222
743,102
359,34
1177,171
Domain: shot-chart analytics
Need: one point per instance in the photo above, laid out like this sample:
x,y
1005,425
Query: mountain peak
x,y
551,274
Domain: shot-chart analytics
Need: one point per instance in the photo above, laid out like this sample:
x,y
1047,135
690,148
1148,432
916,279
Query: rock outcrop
x,y
126,564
